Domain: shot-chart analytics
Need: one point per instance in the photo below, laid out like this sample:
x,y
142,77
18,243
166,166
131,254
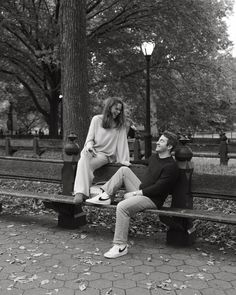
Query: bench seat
x,y
214,216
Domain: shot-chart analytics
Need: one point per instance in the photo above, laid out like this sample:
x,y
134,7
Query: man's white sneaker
x,y
103,199
117,251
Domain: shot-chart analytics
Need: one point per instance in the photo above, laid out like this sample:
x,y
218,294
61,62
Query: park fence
x,y
46,148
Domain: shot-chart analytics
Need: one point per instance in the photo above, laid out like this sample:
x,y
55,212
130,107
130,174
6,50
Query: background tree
x,y
185,64
74,68
190,37
29,47
27,116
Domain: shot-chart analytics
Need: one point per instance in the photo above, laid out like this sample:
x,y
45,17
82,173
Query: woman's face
x,y
116,109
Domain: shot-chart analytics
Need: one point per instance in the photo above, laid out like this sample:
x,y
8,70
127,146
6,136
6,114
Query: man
x,y
158,182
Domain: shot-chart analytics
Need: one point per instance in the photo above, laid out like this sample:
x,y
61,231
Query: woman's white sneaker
x,y
103,199
117,251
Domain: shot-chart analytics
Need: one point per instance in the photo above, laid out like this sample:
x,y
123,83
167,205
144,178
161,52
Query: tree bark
x,y
74,69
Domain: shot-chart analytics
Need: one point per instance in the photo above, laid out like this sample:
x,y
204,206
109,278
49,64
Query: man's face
x,y
162,145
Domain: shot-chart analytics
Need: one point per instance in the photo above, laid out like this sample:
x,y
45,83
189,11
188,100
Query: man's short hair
x,y
172,139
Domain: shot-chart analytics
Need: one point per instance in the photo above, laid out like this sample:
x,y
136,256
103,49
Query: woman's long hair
x,y
108,120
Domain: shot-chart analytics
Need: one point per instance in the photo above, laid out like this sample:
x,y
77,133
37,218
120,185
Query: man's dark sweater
x,y
159,179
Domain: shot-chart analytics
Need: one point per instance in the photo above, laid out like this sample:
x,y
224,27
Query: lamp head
x,y
147,48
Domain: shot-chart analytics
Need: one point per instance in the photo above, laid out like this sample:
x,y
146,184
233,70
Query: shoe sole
x,y
116,256
98,202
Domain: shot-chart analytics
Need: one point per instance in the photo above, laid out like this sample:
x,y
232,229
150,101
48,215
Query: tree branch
x,y
104,9
91,6
26,85
25,69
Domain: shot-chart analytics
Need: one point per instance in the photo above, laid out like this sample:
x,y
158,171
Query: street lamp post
x,y
10,119
147,49
61,98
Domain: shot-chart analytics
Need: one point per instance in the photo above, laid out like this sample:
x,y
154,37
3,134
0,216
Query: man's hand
x,y
133,194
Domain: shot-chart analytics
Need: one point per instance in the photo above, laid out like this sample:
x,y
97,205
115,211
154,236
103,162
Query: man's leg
x,y
124,210
124,176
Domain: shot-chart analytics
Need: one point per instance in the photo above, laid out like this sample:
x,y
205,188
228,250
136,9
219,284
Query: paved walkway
x,y
36,257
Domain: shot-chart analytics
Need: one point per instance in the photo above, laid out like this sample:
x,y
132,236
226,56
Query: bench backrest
x,y
31,169
203,185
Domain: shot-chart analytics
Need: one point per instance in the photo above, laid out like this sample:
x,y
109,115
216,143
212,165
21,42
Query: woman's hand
x,y
90,149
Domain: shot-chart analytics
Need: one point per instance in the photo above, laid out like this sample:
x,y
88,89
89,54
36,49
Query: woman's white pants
x,y
86,166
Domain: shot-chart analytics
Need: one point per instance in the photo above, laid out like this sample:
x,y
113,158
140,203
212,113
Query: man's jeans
x,y
128,207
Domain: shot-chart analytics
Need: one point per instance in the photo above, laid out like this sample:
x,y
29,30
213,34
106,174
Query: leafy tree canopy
x,y
188,77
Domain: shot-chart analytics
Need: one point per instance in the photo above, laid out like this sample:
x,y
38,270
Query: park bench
x,y
193,186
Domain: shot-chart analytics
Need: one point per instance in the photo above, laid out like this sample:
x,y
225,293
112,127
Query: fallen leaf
x,y
82,286
37,254
44,282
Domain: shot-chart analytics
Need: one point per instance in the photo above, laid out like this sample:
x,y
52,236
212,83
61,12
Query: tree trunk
x,y
74,69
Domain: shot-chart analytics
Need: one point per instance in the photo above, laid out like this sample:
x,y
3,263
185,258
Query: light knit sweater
x,y
112,142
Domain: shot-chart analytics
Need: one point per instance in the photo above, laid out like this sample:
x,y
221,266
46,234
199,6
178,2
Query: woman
x,y
106,142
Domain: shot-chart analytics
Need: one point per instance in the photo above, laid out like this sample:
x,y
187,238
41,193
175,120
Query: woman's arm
x,y
89,143
122,149
91,132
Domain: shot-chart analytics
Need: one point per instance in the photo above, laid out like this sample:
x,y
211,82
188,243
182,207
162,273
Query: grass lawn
x,y
212,166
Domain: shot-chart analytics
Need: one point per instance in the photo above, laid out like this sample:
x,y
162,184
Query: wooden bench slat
x,y
184,213
214,184
213,194
31,169
40,196
199,214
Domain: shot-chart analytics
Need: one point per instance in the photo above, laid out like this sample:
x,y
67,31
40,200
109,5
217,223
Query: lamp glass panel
x,y
147,48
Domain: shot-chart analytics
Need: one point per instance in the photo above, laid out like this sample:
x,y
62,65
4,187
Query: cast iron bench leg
x,y
73,217
180,231
69,215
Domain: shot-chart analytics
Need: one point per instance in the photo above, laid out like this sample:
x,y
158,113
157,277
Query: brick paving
x,y
38,258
